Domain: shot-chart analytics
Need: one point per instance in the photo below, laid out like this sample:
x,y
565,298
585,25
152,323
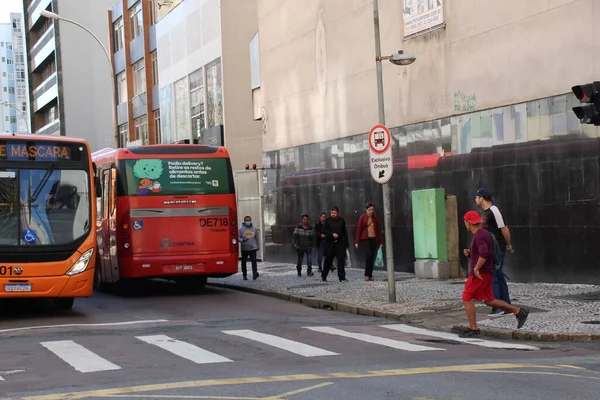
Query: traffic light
x,y
589,95
248,166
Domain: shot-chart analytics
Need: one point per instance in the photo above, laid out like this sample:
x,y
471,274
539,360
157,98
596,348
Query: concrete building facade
x,y
486,104
69,73
204,76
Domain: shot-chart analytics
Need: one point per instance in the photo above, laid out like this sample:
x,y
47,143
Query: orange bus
x,y
47,240
166,211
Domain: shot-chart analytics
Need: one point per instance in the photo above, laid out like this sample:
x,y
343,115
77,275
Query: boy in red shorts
x,y
479,285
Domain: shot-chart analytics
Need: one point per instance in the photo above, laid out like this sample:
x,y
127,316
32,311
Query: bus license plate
x,y
178,268
17,287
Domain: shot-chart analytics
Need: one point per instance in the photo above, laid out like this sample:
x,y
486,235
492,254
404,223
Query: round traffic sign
x,y
380,139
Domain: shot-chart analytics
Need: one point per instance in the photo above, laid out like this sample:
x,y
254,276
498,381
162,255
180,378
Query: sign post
x,y
382,168
380,154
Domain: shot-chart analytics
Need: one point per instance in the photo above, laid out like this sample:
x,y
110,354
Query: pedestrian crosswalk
x,y
312,341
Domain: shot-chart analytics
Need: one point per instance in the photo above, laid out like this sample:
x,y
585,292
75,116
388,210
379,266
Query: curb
x,y
500,333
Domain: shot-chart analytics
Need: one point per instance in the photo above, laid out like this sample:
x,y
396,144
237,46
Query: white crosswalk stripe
x,y
450,336
84,360
282,343
394,344
183,349
77,356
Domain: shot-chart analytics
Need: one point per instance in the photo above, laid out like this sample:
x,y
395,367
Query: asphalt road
x,y
221,344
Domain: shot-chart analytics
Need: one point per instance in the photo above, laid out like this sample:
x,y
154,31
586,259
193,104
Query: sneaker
x,y
310,274
344,280
255,276
496,314
470,334
522,317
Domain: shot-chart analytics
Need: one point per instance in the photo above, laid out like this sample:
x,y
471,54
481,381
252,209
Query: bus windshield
x,y
43,206
179,176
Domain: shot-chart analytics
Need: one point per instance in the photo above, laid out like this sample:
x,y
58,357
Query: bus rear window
x,y
176,176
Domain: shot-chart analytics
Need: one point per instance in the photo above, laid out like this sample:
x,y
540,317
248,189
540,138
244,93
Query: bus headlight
x,y
82,263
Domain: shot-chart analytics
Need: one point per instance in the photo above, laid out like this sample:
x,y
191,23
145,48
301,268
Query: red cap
x,y
473,217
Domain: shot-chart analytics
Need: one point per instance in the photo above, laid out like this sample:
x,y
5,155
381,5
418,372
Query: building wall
x,y
486,104
86,91
317,62
243,136
204,43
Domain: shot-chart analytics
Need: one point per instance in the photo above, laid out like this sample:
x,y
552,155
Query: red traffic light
x,y
247,166
586,93
253,166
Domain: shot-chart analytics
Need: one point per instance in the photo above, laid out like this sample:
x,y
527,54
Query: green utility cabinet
x,y
429,225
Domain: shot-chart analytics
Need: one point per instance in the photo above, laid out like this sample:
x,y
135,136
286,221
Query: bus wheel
x,y
64,303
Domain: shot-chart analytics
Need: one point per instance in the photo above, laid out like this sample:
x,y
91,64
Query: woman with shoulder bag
x,y
368,238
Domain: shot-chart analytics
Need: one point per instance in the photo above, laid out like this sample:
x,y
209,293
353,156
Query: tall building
x,y
13,82
132,36
486,104
204,75
69,73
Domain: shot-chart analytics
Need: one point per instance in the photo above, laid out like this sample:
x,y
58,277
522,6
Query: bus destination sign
x,y
34,152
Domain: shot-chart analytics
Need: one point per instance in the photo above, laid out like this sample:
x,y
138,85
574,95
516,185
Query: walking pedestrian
x,y
336,236
303,240
481,274
494,223
368,238
320,240
249,238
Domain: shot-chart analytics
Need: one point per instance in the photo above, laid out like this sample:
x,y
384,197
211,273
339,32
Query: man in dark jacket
x,y
320,241
303,240
336,236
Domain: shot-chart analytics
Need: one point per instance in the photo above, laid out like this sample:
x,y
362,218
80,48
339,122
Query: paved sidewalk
x,y
554,316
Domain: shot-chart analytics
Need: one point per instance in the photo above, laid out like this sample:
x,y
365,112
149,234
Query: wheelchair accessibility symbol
x,y
138,225
29,236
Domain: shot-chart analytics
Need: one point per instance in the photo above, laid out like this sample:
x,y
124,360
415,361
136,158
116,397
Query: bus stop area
x,y
559,312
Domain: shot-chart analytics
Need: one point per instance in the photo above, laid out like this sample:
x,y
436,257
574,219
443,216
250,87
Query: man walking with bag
x,y
336,236
495,224
368,238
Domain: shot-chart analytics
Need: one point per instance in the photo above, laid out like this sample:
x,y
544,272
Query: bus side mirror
x,y
98,185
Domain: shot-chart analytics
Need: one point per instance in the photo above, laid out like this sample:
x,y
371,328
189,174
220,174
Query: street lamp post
x,y
13,106
51,15
398,58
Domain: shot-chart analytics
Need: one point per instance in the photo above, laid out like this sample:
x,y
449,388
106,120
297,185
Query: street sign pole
x,y
389,244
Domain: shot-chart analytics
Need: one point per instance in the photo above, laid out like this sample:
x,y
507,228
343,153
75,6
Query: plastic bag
x,y
379,259
348,263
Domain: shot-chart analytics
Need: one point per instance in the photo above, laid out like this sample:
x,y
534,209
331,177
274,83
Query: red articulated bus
x,y
166,211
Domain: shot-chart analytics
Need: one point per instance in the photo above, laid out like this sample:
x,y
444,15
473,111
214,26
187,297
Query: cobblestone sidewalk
x,y
555,308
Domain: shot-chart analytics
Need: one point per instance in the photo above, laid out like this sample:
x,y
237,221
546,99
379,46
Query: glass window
x,y
52,205
214,94
157,126
197,103
122,87
183,176
141,129
139,78
124,132
153,12
154,68
137,24
118,35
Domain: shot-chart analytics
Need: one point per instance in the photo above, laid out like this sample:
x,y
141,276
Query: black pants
x,y
252,255
369,247
338,252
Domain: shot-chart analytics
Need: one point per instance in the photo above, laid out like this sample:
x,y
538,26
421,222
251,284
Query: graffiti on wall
x,y
464,102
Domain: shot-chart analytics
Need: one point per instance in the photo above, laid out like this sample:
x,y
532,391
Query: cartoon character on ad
x,y
148,172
